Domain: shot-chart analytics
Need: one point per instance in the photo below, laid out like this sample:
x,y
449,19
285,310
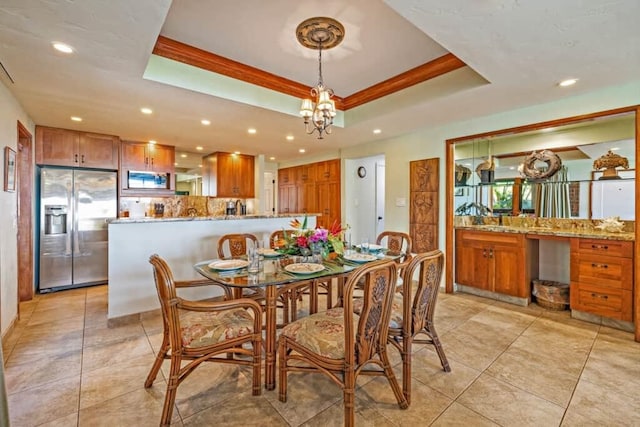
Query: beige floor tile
x,y
307,395
364,416
70,420
23,376
106,335
426,403
241,410
112,381
426,368
458,415
544,376
97,356
595,405
139,408
507,405
45,403
61,311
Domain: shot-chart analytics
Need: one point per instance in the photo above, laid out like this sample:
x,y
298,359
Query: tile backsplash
x,y
177,206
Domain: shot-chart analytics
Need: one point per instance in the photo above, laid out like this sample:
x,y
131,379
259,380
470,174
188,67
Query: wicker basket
x,y
551,295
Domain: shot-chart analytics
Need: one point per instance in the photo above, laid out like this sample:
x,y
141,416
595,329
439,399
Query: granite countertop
x,y
205,218
546,231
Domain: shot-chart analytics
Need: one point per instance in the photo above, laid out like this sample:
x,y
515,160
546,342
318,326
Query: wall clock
x,y
362,172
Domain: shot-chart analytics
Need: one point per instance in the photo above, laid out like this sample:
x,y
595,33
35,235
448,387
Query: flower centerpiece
x,y
305,241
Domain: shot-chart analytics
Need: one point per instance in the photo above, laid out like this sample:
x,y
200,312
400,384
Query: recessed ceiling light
x,y
614,148
205,122
568,82
199,148
184,156
302,150
146,110
76,118
175,164
236,152
199,166
272,158
62,47
152,141
377,131
252,131
290,138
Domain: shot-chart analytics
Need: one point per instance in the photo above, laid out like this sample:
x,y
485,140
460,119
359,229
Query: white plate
x,y
269,253
304,268
373,248
228,264
356,257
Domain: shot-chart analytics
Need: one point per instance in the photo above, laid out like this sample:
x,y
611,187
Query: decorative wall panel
x,y
424,183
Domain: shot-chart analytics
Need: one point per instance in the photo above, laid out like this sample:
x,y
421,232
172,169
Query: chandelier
x,y
319,110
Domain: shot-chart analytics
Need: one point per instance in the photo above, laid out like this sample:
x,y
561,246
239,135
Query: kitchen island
x,y
182,242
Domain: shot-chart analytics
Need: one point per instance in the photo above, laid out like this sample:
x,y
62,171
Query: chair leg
x,y
393,382
406,368
162,353
282,370
438,345
257,364
172,388
349,398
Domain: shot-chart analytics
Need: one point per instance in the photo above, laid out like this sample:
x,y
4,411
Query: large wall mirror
x,y
489,178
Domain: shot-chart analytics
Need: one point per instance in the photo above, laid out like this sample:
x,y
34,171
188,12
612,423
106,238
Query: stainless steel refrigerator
x,y
74,208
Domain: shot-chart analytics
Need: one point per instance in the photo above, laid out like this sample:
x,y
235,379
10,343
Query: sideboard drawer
x,y
617,248
612,272
614,303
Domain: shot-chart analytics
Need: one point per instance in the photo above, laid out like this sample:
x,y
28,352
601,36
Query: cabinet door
x,y
162,158
98,151
473,267
134,156
307,202
286,176
328,171
58,147
328,200
287,198
508,270
225,176
306,173
245,177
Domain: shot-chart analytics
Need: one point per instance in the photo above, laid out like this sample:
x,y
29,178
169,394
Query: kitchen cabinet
x,y
287,199
63,147
602,277
495,262
229,175
328,171
328,194
146,157
143,156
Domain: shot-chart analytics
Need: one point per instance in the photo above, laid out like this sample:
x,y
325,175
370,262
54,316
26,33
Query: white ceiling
x,y
516,51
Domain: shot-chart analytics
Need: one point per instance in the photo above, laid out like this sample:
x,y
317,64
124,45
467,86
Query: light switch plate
x,y
401,201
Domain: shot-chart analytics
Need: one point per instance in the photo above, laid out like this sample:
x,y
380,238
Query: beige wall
x,y
10,112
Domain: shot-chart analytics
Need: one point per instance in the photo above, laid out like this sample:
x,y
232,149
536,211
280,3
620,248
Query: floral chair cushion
x,y
322,333
200,329
395,321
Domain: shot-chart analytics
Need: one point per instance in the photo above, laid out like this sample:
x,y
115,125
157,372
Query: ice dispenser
x,y
55,219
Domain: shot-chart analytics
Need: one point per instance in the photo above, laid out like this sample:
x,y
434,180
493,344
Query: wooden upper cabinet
x,y
287,176
142,156
63,147
328,171
229,175
306,173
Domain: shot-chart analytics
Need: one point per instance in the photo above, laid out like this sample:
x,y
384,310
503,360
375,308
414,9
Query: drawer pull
x,y
599,296
599,265
605,247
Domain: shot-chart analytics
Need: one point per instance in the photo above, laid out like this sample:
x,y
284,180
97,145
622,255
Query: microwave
x,y
148,180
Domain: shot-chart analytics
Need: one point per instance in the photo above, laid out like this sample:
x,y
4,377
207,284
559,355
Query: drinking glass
x,y
253,258
364,246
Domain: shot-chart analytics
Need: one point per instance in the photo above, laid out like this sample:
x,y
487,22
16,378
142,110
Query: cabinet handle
x,y
151,161
75,158
82,159
146,160
594,265
594,295
490,253
484,253
605,247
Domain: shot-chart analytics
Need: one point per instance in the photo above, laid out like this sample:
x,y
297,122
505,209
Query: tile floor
x,y
512,366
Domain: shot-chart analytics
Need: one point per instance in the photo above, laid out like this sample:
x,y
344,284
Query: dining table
x,y
278,275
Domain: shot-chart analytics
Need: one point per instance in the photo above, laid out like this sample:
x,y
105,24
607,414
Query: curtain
x,y
552,196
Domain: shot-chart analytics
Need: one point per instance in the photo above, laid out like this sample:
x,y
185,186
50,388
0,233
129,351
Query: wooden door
x,y
508,270
98,151
328,199
134,155
473,267
226,175
162,158
56,147
245,176
287,199
307,202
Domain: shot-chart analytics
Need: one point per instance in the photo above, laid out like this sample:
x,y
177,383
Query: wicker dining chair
x,y
202,331
339,344
395,241
413,316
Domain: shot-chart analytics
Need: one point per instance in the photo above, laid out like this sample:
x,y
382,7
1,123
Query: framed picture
x,y
9,169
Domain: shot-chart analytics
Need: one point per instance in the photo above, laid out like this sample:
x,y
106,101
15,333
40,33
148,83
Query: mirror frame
x,y
449,191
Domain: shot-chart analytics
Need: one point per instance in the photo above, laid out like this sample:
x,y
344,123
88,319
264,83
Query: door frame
x,y
24,198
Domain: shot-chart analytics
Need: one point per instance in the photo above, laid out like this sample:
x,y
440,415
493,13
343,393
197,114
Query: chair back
x,y
277,237
428,266
395,241
165,285
236,244
377,279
